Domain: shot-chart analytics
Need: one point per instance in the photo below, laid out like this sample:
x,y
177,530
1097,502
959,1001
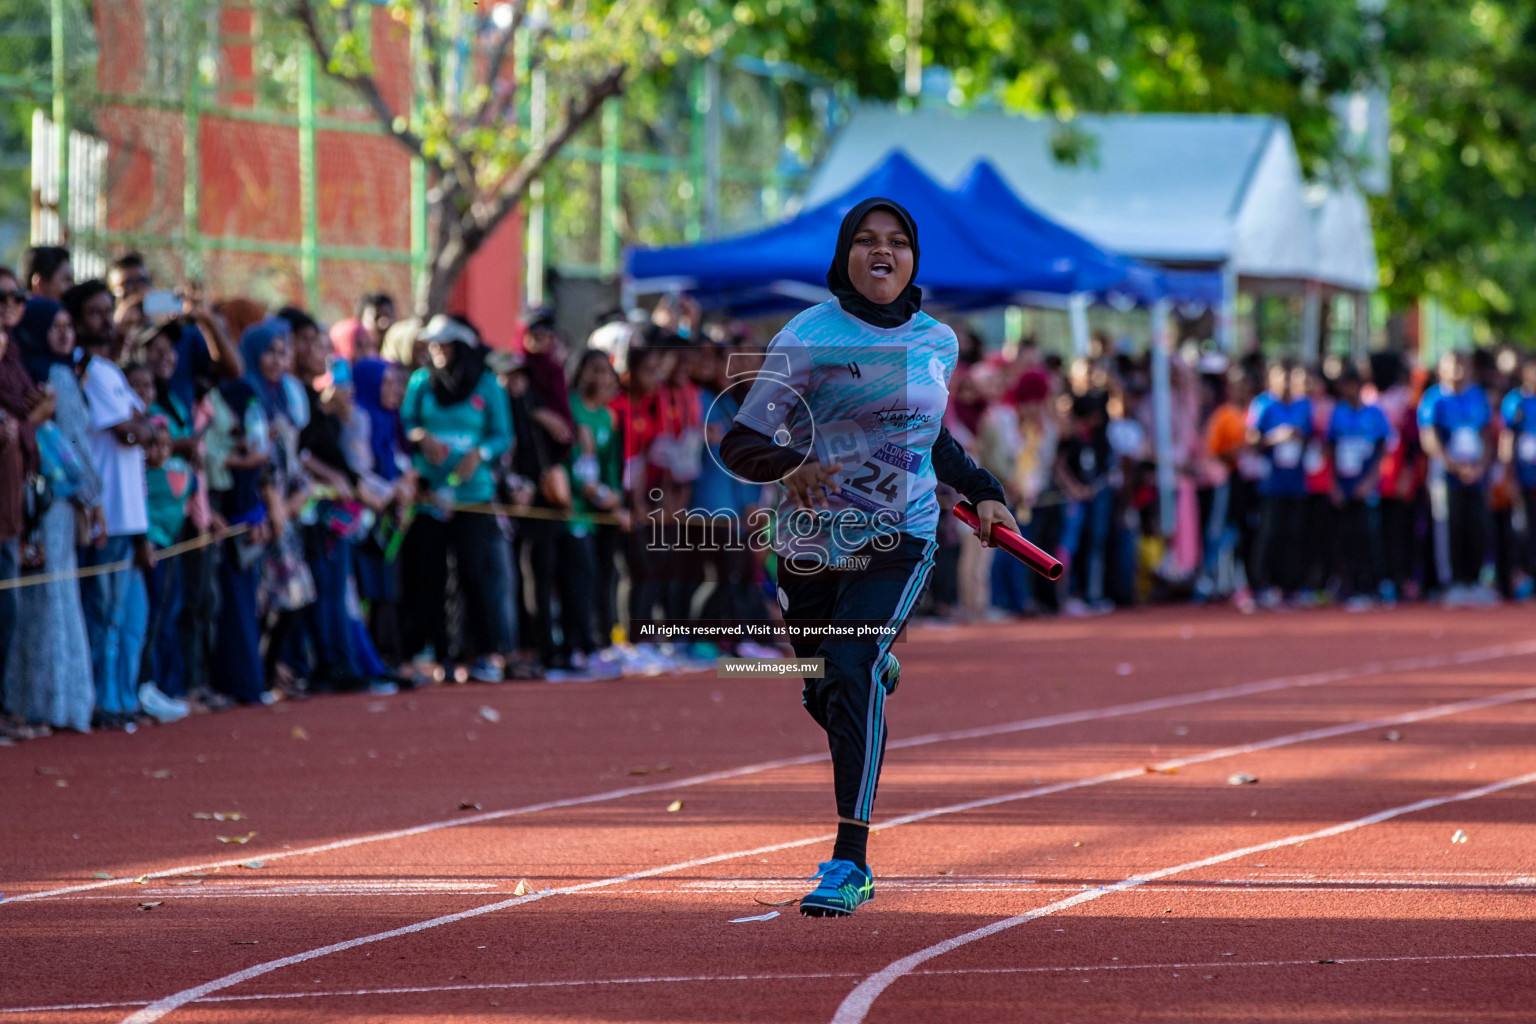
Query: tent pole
x,y
1226,316
1162,417
1311,314
1360,335
1077,314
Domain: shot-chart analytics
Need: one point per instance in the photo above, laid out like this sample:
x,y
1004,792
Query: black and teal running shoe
x,y
844,888
890,673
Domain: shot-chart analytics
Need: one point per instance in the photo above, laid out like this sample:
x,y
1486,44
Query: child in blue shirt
x,y
1357,440
1517,449
1280,426
1456,430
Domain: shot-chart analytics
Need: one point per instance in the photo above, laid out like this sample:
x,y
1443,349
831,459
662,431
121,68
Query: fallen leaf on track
x,y
141,880
151,905
245,942
489,713
61,783
674,806
253,864
161,773
1325,961
1242,779
300,733
521,888
1153,769
468,805
759,917
219,815
651,771
47,770
775,903
1459,837
241,840
1393,736
100,874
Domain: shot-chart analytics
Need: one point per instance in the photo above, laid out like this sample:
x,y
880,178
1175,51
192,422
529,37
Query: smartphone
x,y
161,302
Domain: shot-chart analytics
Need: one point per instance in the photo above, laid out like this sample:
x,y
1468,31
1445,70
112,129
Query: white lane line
x,y
501,986
858,1002
154,1011
1468,657
1247,887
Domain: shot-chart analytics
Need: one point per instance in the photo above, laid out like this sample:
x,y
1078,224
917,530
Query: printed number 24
x,y
885,488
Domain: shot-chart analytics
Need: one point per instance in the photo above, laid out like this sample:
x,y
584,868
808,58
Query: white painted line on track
x,y
1374,668
154,1011
857,1004
501,986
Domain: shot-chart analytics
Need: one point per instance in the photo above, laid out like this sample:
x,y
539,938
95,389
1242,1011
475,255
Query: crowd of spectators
x,y
208,503
1293,485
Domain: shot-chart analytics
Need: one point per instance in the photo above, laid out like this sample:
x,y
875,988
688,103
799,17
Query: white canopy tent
x,y
1179,189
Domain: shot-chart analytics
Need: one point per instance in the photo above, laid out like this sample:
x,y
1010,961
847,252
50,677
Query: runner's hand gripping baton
x,y
1011,542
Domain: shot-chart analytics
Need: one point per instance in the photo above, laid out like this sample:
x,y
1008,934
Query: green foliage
x,y
1460,221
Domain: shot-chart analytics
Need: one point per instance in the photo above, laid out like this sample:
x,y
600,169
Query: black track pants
x,y
849,703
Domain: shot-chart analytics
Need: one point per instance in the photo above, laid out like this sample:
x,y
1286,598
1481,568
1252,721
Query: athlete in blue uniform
x,y
1518,451
1456,430
1280,425
1357,437
845,416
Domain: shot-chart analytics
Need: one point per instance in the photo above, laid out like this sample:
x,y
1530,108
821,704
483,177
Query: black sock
x,y
852,842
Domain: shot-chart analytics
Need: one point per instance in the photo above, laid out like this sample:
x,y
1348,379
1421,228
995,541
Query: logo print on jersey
x,y
936,371
853,368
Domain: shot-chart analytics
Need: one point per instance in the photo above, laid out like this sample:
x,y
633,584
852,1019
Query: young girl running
x,y
845,416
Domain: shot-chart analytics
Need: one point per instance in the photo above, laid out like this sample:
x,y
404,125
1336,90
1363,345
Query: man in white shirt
x,y
119,432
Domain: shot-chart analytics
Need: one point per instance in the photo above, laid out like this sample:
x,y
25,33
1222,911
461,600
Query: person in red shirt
x,y
1401,473
1318,535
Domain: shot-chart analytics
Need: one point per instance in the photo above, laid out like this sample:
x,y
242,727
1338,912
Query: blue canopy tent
x,y
787,264
1097,271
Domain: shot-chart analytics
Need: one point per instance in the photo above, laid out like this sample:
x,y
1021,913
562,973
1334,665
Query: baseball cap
x,y
445,329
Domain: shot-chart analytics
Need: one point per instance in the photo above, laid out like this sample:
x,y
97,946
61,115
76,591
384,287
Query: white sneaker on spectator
x,y
161,708
487,670
1457,595
1269,599
646,660
1484,596
1359,603
756,650
608,662
1076,609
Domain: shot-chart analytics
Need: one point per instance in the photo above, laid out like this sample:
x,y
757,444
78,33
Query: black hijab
x,y
891,314
31,335
456,382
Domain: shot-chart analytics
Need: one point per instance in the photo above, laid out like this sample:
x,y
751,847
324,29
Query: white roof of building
x,y
1203,188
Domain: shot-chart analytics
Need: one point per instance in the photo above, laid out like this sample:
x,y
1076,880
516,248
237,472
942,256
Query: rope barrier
x,y
107,568
208,539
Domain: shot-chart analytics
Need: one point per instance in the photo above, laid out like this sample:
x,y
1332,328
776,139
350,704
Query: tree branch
x,y
505,196
303,12
498,58
433,47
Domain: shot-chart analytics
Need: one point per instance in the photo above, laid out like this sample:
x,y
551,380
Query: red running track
x,y
1029,866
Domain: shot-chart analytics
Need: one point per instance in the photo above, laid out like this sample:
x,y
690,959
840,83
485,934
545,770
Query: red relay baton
x,y
1012,543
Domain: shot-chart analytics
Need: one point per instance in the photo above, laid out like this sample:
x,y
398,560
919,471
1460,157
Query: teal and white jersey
x,y
867,397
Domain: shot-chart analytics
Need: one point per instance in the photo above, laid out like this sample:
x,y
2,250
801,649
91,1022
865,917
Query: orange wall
x,y
249,185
